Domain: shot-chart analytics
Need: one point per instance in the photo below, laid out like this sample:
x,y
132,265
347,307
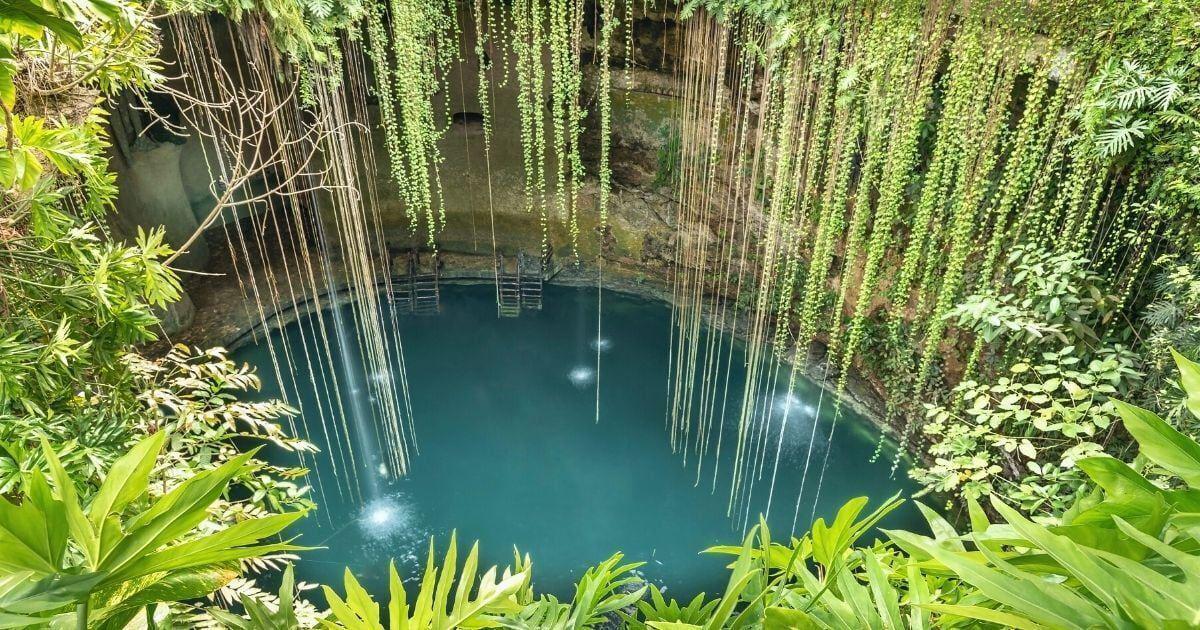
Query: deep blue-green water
x,y
511,454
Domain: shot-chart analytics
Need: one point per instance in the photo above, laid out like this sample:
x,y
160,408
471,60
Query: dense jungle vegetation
x,y
1042,370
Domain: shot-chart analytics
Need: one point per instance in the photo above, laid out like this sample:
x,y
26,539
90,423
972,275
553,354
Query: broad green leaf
x,y
886,597
398,605
33,534
8,89
1075,559
1094,527
1003,619
126,479
1026,595
173,515
8,620
942,530
1161,443
48,594
778,618
77,523
221,546
177,586
30,18
918,592
1117,478
1189,377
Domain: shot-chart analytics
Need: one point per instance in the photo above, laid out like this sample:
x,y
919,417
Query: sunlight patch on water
x,y
601,344
801,428
582,376
385,517
790,405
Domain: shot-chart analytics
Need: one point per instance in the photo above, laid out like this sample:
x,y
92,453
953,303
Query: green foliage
x,y
1021,433
1051,297
1125,555
602,591
411,55
303,30
659,610
122,528
282,615
125,548
443,601
1172,324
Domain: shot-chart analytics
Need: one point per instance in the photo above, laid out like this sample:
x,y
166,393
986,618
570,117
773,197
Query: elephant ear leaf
x,y
1161,443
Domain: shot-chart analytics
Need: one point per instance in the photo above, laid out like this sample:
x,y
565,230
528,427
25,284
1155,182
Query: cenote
x,y
511,453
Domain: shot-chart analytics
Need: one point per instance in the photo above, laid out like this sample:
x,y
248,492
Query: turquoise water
x,y
511,453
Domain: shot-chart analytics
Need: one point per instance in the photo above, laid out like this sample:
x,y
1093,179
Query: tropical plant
x,y
284,612
1123,556
1051,296
102,562
1022,435
1044,399
1172,322
443,602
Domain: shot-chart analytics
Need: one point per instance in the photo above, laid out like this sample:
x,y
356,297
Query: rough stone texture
x,y
153,194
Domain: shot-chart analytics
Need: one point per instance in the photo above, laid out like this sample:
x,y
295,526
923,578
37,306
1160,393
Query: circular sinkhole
x,y
511,453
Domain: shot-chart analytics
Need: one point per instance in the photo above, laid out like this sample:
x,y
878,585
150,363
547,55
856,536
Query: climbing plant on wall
x,y
900,149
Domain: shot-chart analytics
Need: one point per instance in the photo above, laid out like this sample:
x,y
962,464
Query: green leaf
x,y
126,480
78,524
1029,595
227,544
8,89
1077,560
1189,377
1117,478
885,596
1003,619
20,621
942,530
33,534
776,618
172,515
178,586
50,593
29,18
1161,443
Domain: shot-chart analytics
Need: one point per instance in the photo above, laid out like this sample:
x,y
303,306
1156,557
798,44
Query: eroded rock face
x,y
484,190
